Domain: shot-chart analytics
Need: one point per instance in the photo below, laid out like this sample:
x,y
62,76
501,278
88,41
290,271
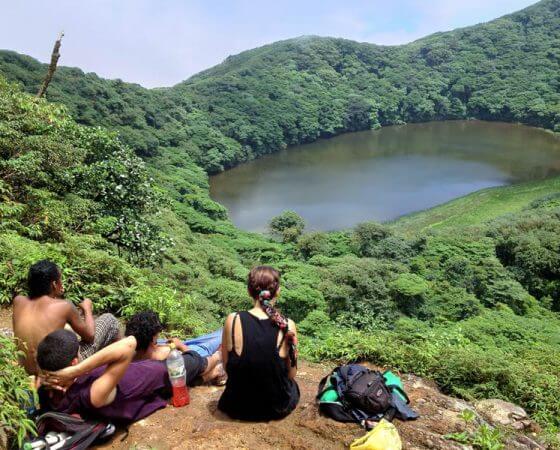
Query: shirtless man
x,y
43,312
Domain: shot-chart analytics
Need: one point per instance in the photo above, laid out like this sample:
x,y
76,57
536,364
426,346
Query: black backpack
x,y
362,395
365,390
83,433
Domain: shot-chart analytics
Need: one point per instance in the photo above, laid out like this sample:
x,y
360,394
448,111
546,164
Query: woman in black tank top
x,y
259,350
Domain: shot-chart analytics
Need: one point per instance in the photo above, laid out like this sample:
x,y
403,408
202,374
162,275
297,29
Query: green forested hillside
x,y
297,90
472,304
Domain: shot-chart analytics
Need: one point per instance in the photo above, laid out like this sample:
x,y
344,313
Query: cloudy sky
x,y
161,42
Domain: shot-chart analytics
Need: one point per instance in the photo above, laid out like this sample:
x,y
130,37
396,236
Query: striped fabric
x,y
107,330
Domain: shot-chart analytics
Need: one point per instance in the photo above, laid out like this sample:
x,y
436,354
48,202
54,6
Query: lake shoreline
x,y
386,174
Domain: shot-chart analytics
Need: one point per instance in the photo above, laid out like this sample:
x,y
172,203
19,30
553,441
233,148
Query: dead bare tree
x,y
52,66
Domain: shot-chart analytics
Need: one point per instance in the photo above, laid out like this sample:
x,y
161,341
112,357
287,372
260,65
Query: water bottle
x,y
178,377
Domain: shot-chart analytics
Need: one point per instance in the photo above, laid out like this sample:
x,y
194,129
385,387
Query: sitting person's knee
x,y
110,325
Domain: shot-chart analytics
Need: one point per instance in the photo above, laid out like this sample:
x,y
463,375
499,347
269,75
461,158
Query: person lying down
x,y
124,382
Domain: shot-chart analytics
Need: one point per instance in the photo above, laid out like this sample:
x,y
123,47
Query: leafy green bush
x,y
312,244
472,359
15,396
227,296
86,271
410,292
69,177
316,323
178,312
367,235
289,225
357,291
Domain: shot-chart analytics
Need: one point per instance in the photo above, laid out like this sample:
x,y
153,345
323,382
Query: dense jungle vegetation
x,y
110,180
297,90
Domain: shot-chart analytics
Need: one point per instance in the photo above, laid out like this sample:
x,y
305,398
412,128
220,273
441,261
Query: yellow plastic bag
x,y
383,437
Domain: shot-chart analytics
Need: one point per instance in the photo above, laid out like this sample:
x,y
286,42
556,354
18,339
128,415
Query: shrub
x,y
46,156
312,244
367,235
410,292
472,359
180,313
317,323
15,396
289,225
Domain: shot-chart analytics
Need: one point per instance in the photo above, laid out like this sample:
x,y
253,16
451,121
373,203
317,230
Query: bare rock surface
x,y
500,412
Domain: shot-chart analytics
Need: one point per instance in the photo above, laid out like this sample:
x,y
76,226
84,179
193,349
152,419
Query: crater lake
x,y
383,174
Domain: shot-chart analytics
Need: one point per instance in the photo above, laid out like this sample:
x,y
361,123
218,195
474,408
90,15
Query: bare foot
x,y
220,377
217,376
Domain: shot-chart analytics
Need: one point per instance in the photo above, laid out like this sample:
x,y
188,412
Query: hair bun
x,y
265,294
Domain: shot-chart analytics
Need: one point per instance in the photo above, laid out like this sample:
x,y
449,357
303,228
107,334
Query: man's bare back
x,y
34,318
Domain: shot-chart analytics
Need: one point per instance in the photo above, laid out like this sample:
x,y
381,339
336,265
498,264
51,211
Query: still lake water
x,y
381,175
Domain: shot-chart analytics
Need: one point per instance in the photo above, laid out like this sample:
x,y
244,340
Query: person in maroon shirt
x,y
108,385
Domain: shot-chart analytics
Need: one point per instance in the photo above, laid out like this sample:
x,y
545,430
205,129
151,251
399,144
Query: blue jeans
x,y
204,345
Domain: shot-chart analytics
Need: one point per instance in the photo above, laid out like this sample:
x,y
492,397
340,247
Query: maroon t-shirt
x,y
143,389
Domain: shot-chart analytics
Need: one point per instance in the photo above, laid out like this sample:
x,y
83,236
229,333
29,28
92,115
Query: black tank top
x,y
258,387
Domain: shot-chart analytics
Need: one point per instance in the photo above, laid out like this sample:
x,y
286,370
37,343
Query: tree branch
x,y
52,66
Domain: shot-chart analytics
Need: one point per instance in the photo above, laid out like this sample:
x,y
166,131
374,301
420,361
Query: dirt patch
x,y
5,319
201,425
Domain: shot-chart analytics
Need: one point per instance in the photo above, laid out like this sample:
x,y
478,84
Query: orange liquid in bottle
x,y
180,396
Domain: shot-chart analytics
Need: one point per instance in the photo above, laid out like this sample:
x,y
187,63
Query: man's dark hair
x,y
40,278
143,326
57,350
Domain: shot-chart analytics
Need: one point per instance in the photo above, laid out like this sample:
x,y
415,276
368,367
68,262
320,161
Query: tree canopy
x,y
298,90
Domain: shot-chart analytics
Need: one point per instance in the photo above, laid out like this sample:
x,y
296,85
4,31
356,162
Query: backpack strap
x,y
390,414
233,332
283,337
323,381
338,383
394,387
321,389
